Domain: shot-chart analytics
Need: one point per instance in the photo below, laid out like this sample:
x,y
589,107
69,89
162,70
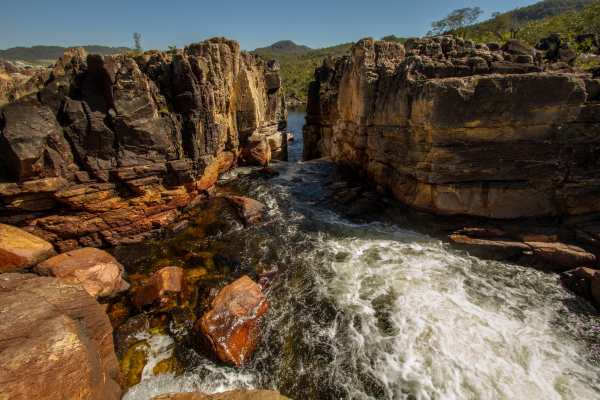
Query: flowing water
x,y
364,309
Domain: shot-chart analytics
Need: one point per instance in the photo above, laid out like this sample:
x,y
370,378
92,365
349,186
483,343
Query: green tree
x,y
137,41
456,21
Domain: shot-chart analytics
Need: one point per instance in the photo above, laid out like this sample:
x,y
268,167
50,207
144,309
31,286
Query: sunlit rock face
x,y
133,139
453,127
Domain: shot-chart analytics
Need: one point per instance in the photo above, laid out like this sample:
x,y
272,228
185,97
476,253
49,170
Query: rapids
x,y
365,309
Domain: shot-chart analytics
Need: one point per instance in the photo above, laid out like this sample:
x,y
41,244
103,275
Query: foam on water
x,y
373,311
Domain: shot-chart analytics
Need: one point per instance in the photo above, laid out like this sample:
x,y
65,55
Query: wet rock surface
x,y
134,140
232,323
55,342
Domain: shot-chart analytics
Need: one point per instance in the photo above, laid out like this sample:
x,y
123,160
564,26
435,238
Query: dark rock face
x,y
132,139
451,127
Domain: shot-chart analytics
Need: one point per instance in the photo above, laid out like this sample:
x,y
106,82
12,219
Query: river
x,y
365,309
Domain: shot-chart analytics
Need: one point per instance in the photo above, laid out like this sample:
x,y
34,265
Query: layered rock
x,y
111,148
457,128
55,342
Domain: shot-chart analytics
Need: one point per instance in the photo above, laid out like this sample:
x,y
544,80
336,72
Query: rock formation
x,y
111,148
453,127
56,342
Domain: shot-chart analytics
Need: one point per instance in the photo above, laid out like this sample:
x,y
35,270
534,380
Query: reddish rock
x,y
55,342
99,273
497,248
257,152
249,210
231,325
20,249
161,288
584,282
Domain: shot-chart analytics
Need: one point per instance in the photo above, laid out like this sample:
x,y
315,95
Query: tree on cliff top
x,y
456,21
137,40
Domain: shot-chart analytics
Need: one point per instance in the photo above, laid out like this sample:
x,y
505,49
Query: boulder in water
x,y
162,287
248,209
231,324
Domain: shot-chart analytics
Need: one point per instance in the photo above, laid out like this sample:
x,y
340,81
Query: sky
x,y
254,23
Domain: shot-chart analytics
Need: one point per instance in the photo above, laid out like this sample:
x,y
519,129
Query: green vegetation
x,y
567,17
49,54
298,63
456,21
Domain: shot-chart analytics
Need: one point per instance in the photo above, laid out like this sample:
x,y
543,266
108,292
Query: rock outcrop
x,y
111,148
18,80
232,324
55,342
457,128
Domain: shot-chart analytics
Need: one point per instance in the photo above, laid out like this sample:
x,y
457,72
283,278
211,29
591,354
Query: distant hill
x,y
285,47
298,63
37,53
548,8
516,19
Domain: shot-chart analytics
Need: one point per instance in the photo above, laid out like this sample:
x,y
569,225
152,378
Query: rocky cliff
x,y
458,128
111,148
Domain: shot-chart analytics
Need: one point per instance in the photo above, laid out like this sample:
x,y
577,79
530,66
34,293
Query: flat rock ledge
x,y
232,395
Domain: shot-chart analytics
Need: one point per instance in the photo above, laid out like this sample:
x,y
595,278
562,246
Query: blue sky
x,y
254,23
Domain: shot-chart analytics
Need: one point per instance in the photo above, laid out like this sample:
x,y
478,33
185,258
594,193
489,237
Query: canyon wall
x,y
112,148
457,128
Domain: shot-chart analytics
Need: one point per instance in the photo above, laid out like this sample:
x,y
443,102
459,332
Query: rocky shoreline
x,y
502,137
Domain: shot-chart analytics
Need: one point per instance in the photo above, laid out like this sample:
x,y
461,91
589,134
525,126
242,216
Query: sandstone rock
x,y
232,324
489,248
257,152
385,113
134,140
161,288
55,342
249,210
232,395
584,282
20,249
99,273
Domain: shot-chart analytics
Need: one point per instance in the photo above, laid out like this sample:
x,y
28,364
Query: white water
x,y
373,311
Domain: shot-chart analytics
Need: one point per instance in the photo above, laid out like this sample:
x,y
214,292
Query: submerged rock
x,y
99,273
584,282
249,210
162,288
20,249
55,342
232,324
232,395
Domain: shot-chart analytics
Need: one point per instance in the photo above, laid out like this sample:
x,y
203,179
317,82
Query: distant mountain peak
x,y
285,46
